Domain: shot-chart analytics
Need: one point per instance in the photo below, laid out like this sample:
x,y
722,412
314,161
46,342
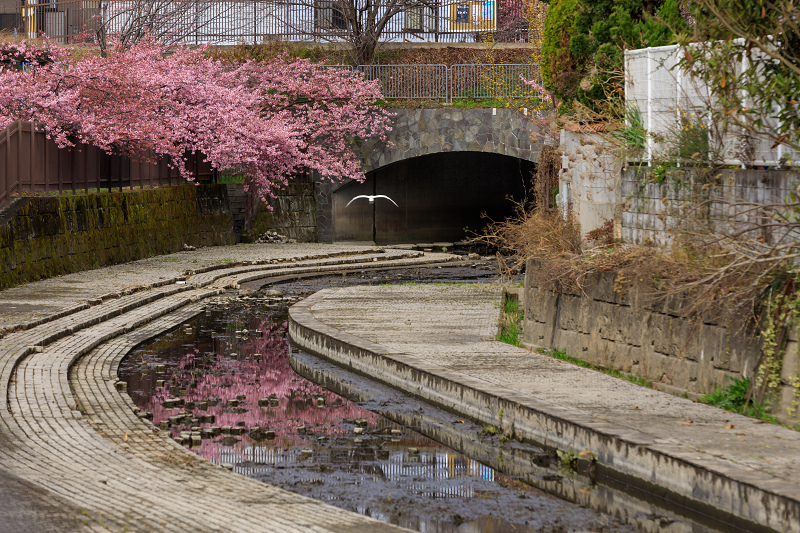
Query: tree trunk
x,y
365,49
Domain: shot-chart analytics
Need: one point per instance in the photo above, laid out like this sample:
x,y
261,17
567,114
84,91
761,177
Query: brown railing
x,y
31,163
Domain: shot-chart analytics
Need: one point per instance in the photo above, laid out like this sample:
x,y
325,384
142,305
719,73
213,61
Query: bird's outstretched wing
x,y
356,198
371,198
384,196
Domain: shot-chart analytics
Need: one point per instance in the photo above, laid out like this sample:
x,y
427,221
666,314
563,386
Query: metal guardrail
x,y
30,163
440,82
492,81
410,81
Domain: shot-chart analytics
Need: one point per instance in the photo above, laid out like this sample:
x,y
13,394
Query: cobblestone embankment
x,y
74,455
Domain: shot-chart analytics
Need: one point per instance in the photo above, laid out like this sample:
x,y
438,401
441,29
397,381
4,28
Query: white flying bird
x,y
371,198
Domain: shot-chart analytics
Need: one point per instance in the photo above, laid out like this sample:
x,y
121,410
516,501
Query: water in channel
x,y
227,375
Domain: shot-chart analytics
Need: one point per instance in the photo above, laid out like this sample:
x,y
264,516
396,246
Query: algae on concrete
x,y
50,236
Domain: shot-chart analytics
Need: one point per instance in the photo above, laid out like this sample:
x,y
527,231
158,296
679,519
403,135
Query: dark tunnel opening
x,y
440,197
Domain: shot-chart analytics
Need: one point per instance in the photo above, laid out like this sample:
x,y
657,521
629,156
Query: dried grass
x,y
538,230
692,267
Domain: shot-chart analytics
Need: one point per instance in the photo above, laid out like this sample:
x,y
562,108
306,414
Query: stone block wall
x,y
294,214
323,198
42,237
417,132
646,207
638,333
591,172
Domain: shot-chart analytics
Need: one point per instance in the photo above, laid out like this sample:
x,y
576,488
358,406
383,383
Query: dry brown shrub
x,y
538,230
540,233
451,55
7,36
269,50
546,181
708,272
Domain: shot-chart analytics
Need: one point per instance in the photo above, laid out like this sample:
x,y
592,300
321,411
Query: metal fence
x,y
440,82
31,163
669,99
492,81
410,81
254,21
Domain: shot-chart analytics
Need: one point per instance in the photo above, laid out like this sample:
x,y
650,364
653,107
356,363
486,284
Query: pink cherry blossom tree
x,y
34,53
267,120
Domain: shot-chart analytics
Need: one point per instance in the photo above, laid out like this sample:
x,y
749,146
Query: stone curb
x,y
240,266
9,364
754,497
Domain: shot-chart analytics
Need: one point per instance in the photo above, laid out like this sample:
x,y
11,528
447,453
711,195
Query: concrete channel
x,y
73,436
747,500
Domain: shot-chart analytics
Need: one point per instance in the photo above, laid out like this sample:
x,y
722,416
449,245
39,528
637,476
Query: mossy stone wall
x,y
293,214
48,236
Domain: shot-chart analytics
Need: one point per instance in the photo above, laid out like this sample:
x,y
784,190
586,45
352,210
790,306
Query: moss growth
x,y
510,322
633,378
293,214
49,236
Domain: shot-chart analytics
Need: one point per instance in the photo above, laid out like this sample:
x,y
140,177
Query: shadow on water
x,y
223,386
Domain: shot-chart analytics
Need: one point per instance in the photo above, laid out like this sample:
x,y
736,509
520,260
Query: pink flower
x,y
267,121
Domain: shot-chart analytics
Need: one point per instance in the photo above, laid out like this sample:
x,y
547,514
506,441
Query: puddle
x,y
222,384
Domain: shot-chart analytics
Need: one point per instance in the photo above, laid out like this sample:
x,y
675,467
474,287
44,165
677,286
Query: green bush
x,y
559,67
583,50
510,323
734,398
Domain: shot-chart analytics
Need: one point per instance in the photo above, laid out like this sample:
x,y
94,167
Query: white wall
x,y
589,167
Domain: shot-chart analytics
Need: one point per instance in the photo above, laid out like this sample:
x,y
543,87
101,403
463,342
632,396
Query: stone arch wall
x,y
418,132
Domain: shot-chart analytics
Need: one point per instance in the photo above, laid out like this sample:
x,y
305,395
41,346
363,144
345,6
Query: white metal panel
x,y
668,97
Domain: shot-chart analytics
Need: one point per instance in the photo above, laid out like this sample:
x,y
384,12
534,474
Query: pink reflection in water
x,y
247,371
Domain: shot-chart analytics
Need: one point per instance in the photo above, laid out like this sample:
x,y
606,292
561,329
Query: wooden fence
x,y
31,163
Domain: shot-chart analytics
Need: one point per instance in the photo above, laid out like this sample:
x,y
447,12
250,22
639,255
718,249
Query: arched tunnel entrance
x,y
438,196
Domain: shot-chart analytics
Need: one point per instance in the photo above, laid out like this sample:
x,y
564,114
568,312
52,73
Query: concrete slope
x,y
438,342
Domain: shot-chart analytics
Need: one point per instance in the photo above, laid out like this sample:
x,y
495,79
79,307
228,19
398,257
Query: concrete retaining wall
x,y
637,333
590,171
647,208
47,236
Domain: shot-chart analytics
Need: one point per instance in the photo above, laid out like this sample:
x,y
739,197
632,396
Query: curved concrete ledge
x,y
755,500
66,429
627,503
